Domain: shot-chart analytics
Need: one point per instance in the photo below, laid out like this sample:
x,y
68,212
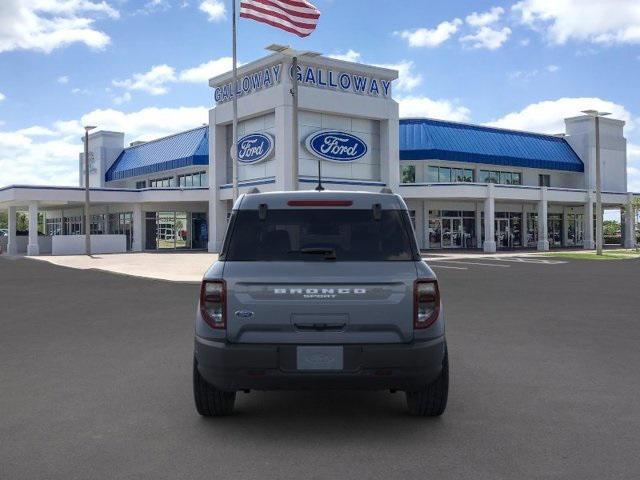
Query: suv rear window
x,y
319,234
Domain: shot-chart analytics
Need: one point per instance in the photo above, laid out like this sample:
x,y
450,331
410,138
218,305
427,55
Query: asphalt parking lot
x,y
95,382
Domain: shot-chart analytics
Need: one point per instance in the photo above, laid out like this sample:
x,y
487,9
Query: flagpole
x,y
234,146
294,125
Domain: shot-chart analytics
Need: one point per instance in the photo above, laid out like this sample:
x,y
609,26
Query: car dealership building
x,y
467,186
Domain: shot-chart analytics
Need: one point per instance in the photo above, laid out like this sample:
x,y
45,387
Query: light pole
x,y
87,217
295,145
596,114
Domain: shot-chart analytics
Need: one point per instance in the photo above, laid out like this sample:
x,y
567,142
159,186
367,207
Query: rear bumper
x,y
273,367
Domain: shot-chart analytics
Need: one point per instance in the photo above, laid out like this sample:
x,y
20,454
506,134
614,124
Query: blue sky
x,y
142,66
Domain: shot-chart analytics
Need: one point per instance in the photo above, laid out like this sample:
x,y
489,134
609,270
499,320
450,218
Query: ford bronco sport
x,y
316,290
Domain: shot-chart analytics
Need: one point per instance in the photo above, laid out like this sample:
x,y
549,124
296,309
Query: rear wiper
x,y
329,253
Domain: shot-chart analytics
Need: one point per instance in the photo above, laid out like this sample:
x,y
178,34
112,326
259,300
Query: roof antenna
x,y
319,188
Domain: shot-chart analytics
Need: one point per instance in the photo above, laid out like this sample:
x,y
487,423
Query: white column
x,y
478,226
283,138
425,224
218,209
32,246
489,245
589,242
12,246
543,240
390,150
565,227
629,224
138,219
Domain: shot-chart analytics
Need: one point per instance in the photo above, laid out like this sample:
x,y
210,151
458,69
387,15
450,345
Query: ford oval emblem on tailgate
x,y
244,314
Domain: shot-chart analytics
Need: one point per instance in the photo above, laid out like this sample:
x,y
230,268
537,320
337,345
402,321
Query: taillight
x,y
213,299
426,303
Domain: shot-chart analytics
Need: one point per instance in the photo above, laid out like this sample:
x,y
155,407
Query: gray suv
x,y
320,290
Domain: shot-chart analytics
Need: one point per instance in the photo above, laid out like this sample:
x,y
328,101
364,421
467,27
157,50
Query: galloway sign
x,y
255,147
308,76
336,146
248,84
328,78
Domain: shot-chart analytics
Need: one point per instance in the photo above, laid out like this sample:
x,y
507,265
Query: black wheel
x,y
432,401
211,402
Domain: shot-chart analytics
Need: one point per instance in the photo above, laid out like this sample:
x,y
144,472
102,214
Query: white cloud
x,y
595,21
48,155
154,81
486,18
420,106
203,72
424,37
526,75
45,25
63,79
407,78
124,98
2,96
487,37
525,42
214,9
548,116
349,56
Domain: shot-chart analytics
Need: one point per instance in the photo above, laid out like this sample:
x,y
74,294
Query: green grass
x,y
618,254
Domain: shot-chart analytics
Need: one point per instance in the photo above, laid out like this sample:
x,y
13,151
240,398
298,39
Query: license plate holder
x,y
320,358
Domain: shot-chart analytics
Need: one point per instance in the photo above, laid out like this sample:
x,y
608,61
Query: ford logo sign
x,y
336,146
244,314
255,148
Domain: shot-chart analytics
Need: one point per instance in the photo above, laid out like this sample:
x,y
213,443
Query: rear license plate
x,y
320,358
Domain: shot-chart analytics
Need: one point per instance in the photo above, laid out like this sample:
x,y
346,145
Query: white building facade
x,y
466,186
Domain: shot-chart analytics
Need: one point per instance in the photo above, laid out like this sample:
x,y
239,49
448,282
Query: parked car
x,y
320,290
4,232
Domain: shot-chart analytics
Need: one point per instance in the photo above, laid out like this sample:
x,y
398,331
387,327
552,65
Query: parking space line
x,y
531,260
432,265
456,262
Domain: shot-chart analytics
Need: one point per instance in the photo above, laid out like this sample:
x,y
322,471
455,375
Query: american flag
x,y
294,16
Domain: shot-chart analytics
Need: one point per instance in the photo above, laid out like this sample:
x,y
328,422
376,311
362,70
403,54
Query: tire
x,y
211,402
432,401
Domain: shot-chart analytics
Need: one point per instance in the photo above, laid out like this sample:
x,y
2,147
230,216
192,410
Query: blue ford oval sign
x,y
255,147
336,146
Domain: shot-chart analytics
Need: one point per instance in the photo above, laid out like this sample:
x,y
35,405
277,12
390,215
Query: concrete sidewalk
x,y
190,266
174,267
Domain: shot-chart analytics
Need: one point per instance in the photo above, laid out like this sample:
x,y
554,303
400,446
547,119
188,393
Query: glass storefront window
x,y
435,229
504,178
532,229
451,229
433,174
575,229
554,229
408,174
444,175
176,230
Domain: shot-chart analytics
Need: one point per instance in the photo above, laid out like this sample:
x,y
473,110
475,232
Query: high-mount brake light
x,y
213,303
426,303
320,203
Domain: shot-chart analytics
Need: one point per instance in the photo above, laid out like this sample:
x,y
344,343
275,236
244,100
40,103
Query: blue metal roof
x,y
176,151
427,139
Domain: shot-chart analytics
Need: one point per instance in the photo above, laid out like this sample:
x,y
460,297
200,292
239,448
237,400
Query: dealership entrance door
x,y
452,233
176,231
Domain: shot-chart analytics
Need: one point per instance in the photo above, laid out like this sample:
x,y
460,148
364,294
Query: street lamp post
x,y
596,114
87,217
295,145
